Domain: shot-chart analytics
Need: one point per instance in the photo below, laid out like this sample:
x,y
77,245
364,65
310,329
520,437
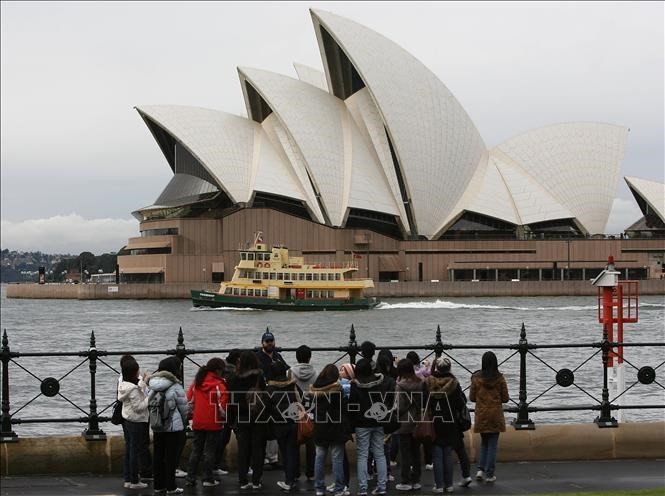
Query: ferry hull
x,y
214,300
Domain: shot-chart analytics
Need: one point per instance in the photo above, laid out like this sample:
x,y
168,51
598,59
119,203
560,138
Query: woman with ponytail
x,y
209,397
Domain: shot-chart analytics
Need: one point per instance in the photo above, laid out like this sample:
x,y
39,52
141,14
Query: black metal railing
x,y
564,378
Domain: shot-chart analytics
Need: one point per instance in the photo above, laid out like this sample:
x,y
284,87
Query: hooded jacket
x,y
174,398
304,374
445,400
284,394
209,403
331,416
134,401
409,404
489,394
374,397
238,411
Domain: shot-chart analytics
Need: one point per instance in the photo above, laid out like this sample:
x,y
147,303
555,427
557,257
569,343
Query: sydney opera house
x,y
375,159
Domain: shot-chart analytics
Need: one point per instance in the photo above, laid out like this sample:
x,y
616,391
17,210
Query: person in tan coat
x,y
489,391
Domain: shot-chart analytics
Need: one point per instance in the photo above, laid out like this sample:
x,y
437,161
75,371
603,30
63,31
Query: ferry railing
x,y
93,416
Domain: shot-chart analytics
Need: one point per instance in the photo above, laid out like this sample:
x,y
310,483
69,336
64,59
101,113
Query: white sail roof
x,y
437,145
324,133
234,150
652,192
310,75
578,163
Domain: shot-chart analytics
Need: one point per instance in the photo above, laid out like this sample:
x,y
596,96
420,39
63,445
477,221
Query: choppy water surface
x,y
65,325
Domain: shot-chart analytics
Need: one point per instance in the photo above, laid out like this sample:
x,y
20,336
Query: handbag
x,y
424,431
305,428
464,418
116,416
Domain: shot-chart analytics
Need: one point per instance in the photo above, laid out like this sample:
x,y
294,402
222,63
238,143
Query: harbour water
x,y
65,325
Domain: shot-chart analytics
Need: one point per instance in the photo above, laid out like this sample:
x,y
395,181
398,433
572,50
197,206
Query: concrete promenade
x,y
520,478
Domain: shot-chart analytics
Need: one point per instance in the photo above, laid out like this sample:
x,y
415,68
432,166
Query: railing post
x,y
605,419
7,435
181,353
93,432
438,345
523,422
353,345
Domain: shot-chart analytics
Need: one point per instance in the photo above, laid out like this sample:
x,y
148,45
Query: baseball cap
x,y
267,336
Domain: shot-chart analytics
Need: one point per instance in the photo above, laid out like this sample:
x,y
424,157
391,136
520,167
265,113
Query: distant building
x,y
376,157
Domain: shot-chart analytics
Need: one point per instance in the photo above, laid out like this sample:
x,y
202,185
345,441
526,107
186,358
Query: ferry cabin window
x,y
337,277
315,276
308,294
250,292
236,291
273,275
331,294
265,275
316,294
264,293
243,292
324,277
250,256
228,291
243,256
301,276
308,277
280,276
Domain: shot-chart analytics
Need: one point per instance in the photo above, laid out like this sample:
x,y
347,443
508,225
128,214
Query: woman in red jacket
x,y
209,397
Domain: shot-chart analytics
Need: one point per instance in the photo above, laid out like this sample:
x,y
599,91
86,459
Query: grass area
x,y
637,492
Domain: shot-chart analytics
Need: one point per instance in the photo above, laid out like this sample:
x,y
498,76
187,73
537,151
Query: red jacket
x,y
208,403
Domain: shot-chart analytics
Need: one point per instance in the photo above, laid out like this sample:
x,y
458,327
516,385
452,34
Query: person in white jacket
x,y
131,392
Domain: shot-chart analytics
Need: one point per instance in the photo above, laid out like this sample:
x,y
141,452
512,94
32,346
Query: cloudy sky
x,y
77,159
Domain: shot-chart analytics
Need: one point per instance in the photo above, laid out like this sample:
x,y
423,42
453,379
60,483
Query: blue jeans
x,y
488,445
442,458
337,452
370,438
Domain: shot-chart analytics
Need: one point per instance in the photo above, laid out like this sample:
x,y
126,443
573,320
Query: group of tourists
x,y
387,407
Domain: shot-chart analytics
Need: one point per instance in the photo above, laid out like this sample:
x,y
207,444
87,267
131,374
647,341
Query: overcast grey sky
x,y
77,159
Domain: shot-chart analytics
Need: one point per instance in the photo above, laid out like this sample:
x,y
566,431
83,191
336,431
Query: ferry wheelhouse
x,y
271,279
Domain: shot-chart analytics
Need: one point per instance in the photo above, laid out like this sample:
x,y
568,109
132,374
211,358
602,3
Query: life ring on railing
x,y
259,265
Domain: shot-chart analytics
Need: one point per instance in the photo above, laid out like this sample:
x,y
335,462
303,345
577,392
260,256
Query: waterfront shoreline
x,y
409,289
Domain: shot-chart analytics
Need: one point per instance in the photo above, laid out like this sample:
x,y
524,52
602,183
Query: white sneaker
x,y
177,490
219,471
480,475
127,484
320,493
437,490
429,466
284,486
246,486
490,479
464,482
449,489
391,478
343,492
417,486
180,473
378,491
404,487
211,483
138,485
330,488
257,486
393,463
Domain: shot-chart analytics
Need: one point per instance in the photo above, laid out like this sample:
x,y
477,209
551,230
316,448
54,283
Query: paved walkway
x,y
512,478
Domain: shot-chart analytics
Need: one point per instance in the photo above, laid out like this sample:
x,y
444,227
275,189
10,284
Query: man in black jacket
x,y
267,354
